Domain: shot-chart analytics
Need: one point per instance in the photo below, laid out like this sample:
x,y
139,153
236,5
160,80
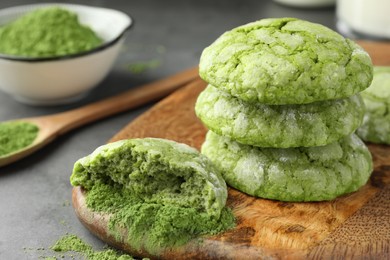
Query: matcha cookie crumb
x,y
279,126
285,61
162,192
376,123
159,170
154,226
292,174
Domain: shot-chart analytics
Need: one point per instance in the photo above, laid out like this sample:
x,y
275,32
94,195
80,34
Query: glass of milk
x,y
370,18
307,3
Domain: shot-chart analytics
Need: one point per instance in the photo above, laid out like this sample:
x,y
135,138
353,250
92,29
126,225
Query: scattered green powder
x,y
66,203
72,243
16,135
141,67
47,32
153,225
161,49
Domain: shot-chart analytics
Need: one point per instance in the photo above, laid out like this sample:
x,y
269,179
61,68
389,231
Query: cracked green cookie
x,y
279,126
293,174
285,61
376,123
158,170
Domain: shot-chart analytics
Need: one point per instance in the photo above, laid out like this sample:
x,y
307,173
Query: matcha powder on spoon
x,y
47,32
15,136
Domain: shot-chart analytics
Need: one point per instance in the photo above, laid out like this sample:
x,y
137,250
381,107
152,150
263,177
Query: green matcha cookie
x,y
158,170
376,123
285,61
279,126
293,174
157,193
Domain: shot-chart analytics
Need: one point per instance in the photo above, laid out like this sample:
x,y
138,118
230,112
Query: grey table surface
x,y
35,194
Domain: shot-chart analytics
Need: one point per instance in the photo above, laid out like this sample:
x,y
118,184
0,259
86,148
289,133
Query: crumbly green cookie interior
x,y
164,193
285,61
376,123
292,174
279,126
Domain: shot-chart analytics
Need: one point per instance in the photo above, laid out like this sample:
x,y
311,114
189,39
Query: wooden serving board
x,y
355,226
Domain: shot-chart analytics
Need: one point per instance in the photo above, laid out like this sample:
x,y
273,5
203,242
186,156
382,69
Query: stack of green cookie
x,y
376,123
282,105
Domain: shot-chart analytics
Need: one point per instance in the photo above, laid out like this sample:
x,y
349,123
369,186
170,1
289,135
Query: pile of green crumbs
x,y
72,243
47,32
16,135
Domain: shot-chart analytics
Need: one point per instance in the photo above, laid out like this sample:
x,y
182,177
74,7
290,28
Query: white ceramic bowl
x,y
59,80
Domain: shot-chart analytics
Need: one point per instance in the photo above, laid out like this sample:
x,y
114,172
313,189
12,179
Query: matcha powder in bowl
x,y
47,32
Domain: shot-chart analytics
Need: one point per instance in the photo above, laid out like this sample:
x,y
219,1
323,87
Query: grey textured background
x,y
35,193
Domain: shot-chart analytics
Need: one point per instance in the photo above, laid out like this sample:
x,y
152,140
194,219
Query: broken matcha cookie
x,y
279,126
376,123
285,61
162,192
293,174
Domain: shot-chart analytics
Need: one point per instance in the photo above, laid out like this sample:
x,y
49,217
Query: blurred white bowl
x,y
59,80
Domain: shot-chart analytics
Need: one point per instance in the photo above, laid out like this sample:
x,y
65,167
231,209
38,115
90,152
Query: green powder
x,y
72,243
141,67
162,193
16,135
47,32
153,225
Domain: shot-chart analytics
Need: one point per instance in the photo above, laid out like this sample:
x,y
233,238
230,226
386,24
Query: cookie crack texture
x,y
279,126
324,172
376,123
285,61
157,171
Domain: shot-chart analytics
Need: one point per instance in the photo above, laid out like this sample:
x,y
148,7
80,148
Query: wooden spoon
x,y
52,126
